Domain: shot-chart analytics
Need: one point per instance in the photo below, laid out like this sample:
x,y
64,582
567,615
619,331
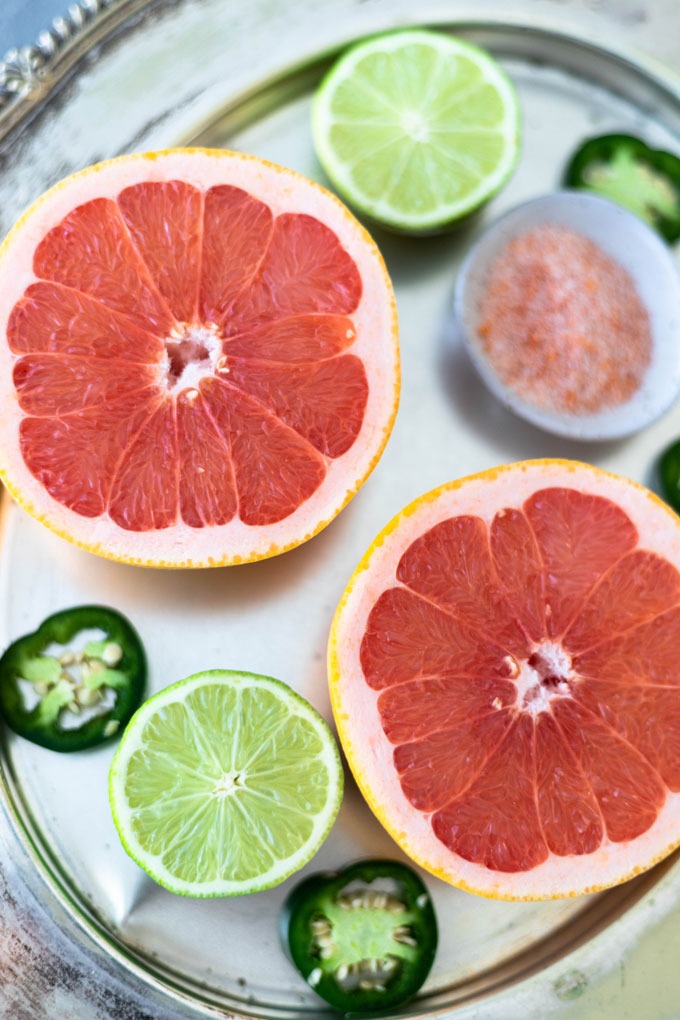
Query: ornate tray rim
x,y
29,74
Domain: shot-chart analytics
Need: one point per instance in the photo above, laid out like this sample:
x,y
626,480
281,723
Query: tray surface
x,y
273,617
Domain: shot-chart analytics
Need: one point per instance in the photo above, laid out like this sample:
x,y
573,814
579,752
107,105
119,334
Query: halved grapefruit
x,y
201,362
505,681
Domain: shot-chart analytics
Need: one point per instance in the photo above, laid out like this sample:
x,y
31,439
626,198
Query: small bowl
x,y
628,241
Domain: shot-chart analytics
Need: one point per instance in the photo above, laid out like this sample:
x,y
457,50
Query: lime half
x,y
416,129
225,784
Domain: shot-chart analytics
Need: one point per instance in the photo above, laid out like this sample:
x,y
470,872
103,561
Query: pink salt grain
x,y
562,323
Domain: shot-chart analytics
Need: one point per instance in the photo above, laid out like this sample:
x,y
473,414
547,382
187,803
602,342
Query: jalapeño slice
x,y
75,681
626,170
363,938
669,475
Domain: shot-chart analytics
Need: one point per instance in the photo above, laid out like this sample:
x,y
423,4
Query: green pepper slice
x,y
68,694
669,475
626,170
363,938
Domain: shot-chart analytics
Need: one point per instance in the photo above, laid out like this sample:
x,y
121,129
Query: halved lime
x,y
416,128
225,783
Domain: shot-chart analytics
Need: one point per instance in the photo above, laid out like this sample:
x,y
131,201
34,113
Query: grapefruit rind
x,y
284,190
132,742
367,750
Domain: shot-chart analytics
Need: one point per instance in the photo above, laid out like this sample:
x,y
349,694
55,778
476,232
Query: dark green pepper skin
x,y
669,475
317,899
45,727
625,169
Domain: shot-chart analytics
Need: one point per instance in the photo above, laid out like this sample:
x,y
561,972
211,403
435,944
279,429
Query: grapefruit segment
x,y
639,587
294,340
304,269
323,402
275,469
627,788
520,568
451,565
49,386
521,771
52,319
579,537
92,252
144,494
236,232
440,767
646,654
444,703
571,821
495,823
165,220
76,456
207,487
250,316
634,711
407,637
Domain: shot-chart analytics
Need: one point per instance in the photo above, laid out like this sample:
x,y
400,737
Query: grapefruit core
x,y
504,678
201,362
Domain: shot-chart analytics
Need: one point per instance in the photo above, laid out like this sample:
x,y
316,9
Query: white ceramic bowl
x,y
632,244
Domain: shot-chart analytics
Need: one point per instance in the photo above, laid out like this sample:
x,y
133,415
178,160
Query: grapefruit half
x,y
200,363
505,682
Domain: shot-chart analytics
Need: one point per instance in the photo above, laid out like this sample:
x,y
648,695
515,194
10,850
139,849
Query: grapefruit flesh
x,y
504,677
201,361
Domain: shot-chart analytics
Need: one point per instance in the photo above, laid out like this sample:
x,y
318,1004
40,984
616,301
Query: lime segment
x,y
416,129
225,784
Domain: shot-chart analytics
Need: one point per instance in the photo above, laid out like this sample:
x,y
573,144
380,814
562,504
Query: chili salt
x,y
562,324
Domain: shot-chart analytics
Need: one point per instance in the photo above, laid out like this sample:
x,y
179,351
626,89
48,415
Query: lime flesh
x,y
416,129
224,784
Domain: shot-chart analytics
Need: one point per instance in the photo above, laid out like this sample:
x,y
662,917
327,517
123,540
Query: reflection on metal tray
x,y
273,617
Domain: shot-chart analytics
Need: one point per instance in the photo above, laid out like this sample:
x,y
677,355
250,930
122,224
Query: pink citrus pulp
x,y
504,677
201,362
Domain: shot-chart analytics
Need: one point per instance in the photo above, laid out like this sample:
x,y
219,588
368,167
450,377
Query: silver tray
x,y
215,958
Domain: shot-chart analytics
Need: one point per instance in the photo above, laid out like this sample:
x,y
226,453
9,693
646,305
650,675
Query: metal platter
x,y
216,958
